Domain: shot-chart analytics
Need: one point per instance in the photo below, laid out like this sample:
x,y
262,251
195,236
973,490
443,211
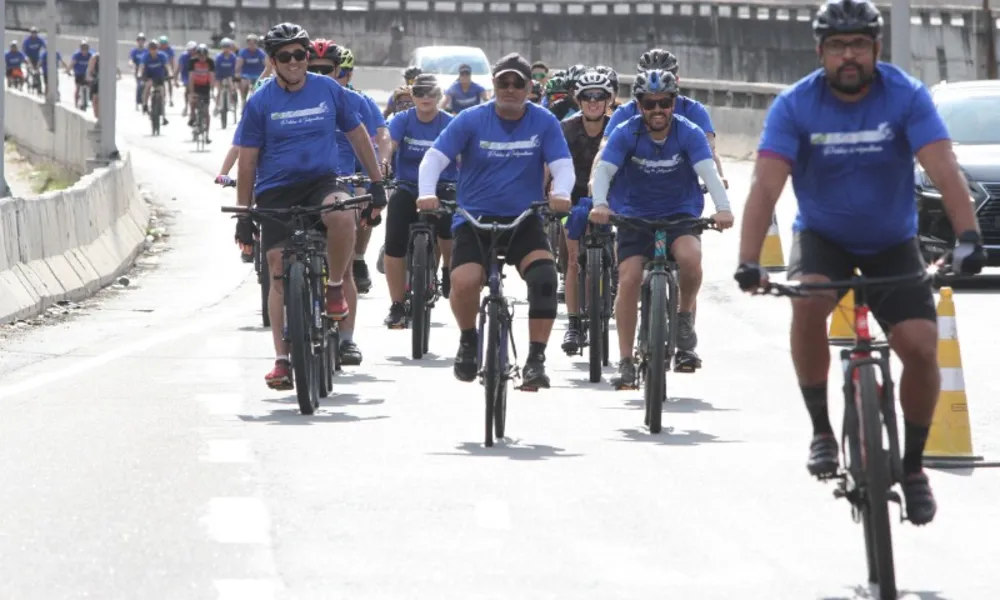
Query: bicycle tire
x,y
877,483
264,279
418,294
224,109
607,303
656,373
155,112
595,309
492,377
324,361
299,324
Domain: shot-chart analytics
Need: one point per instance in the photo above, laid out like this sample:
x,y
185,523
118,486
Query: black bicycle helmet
x,y
284,34
847,16
655,81
658,58
411,73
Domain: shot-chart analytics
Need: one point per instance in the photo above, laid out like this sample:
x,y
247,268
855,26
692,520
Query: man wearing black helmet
x,y
288,156
847,134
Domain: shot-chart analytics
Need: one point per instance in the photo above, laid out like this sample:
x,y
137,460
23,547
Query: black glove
x,y
749,276
245,230
366,216
377,191
969,256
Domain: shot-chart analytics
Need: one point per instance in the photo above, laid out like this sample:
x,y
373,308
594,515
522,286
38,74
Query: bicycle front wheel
x,y
878,532
495,376
418,294
298,315
595,310
656,372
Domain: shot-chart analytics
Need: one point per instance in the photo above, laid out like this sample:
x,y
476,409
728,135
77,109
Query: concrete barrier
x,y
65,245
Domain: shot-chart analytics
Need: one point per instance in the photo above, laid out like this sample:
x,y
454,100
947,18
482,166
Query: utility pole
x,y
900,27
4,189
991,41
52,63
107,80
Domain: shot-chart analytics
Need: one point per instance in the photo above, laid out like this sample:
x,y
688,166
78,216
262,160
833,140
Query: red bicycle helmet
x,y
322,48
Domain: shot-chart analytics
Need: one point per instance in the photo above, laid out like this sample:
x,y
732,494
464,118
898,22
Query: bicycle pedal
x,y
893,496
835,476
526,388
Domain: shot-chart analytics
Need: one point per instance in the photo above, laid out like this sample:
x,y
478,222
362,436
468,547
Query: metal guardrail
x,y
730,94
615,6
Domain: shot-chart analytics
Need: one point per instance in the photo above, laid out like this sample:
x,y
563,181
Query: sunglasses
x,y
650,104
465,73
321,69
512,82
424,92
538,76
287,57
594,96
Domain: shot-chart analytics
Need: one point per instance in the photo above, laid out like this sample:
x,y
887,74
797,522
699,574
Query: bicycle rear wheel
x,y
607,301
418,294
595,310
495,376
264,279
224,109
298,313
656,373
875,514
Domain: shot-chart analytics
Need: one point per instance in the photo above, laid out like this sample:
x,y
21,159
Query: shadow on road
x,y
870,592
674,405
429,360
292,416
336,399
668,437
510,449
253,328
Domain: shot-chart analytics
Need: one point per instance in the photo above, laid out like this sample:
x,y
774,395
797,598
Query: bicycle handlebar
x,y
642,223
500,227
297,211
800,290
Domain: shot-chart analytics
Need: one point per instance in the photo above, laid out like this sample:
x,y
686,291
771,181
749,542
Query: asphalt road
x,y
143,457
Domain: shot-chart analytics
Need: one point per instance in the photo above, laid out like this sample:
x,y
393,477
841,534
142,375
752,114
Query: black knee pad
x,y
542,281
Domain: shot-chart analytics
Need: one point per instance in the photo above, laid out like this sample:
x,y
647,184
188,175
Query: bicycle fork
x,y
505,312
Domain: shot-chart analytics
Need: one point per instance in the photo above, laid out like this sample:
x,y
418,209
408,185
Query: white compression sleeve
x,y
604,172
708,173
563,177
433,164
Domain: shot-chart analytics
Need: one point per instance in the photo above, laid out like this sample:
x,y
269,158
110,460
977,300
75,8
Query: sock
x,y
445,273
816,404
346,336
335,284
283,357
470,336
574,322
913,454
536,349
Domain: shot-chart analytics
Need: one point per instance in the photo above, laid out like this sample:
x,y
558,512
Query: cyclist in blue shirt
x,y
250,62
288,156
663,154
43,63
413,132
135,57
14,59
847,134
184,70
505,145
464,92
168,51
78,63
153,71
225,71
32,46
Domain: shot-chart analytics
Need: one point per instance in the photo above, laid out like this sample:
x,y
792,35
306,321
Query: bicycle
x,y
156,107
260,268
557,240
422,285
658,307
595,291
227,101
313,336
496,315
35,83
872,470
200,128
84,97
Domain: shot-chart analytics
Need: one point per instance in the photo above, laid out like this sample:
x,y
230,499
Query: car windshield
x,y
448,64
972,119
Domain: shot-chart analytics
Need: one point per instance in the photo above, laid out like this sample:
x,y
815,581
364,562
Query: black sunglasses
x,y
511,82
287,57
650,104
594,96
423,92
321,69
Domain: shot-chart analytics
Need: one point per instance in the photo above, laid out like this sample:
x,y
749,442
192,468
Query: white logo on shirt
x,y
510,149
415,142
658,167
854,142
295,117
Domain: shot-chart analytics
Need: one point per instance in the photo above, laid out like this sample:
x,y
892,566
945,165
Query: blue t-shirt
x,y
32,46
43,60
692,110
169,51
184,64
135,55
296,131
372,120
462,100
503,162
413,137
225,66
155,67
253,62
852,162
661,176
79,61
14,59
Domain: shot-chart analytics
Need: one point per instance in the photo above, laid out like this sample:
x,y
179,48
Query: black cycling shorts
x,y
635,242
204,91
402,213
310,192
813,254
80,79
471,245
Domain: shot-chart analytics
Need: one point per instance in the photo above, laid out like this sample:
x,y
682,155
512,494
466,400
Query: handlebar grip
x,y
235,209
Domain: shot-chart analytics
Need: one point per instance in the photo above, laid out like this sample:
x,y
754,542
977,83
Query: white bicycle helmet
x,y
593,80
191,45
226,43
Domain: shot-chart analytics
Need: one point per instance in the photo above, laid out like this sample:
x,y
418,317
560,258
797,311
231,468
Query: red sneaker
x,y
336,303
281,377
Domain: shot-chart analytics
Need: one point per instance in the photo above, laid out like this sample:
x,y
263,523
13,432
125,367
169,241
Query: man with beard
x,y
662,154
505,145
847,134
583,132
288,157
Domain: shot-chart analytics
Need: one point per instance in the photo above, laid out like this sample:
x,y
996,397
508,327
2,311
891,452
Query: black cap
x,y
513,63
464,69
425,80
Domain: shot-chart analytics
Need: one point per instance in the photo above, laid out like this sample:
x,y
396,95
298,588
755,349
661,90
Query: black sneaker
x,y
686,361
350,354
397,316
571,340
823,459
361,277
920,504
533,375
626,379
465,361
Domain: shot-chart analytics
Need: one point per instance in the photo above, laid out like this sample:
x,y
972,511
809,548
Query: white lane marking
x,y
89,364
493,515
225,404
228,451
247,589
238,521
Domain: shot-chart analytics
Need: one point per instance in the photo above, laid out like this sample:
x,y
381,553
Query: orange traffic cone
x,y
950,441
772,258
